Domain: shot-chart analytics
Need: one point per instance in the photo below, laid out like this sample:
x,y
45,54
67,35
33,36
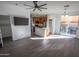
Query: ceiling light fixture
x,y
65,10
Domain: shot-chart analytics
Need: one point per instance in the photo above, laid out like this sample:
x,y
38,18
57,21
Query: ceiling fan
x,y
36,6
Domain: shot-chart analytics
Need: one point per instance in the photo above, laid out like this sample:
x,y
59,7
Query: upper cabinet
x,y
39,20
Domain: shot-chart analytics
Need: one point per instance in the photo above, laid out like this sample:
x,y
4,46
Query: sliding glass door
x,y
68,24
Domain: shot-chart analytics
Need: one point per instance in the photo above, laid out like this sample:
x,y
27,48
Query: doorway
x,y
50,26
6,30
39,26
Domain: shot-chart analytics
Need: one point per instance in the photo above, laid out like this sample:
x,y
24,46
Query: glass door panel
x,y
68,24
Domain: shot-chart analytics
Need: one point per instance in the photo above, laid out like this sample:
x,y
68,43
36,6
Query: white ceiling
x,y
53,7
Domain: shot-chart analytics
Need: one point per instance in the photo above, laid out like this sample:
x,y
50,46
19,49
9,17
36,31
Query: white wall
x,y
77,33
52,17
74,13
18,32
55,23
48,25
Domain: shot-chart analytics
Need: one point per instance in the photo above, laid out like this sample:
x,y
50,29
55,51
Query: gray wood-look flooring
x,y
41,48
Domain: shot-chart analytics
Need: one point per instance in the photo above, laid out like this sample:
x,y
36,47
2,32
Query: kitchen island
x,y
41,31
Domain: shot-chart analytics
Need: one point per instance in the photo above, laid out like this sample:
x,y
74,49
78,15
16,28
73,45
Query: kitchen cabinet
x,y
39,20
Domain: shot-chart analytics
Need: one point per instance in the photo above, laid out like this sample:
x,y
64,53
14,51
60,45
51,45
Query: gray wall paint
x,y
4,19
18,32
6,30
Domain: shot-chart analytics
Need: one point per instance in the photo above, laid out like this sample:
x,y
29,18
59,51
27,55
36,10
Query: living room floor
x,y
41,48
69,36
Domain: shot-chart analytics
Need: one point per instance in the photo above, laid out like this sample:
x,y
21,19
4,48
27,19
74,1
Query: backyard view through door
x,y
68,25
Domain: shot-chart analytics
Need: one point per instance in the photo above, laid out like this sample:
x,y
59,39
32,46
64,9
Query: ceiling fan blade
x,y
42,5
27,5
35,2
39,9
34,9
43,8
